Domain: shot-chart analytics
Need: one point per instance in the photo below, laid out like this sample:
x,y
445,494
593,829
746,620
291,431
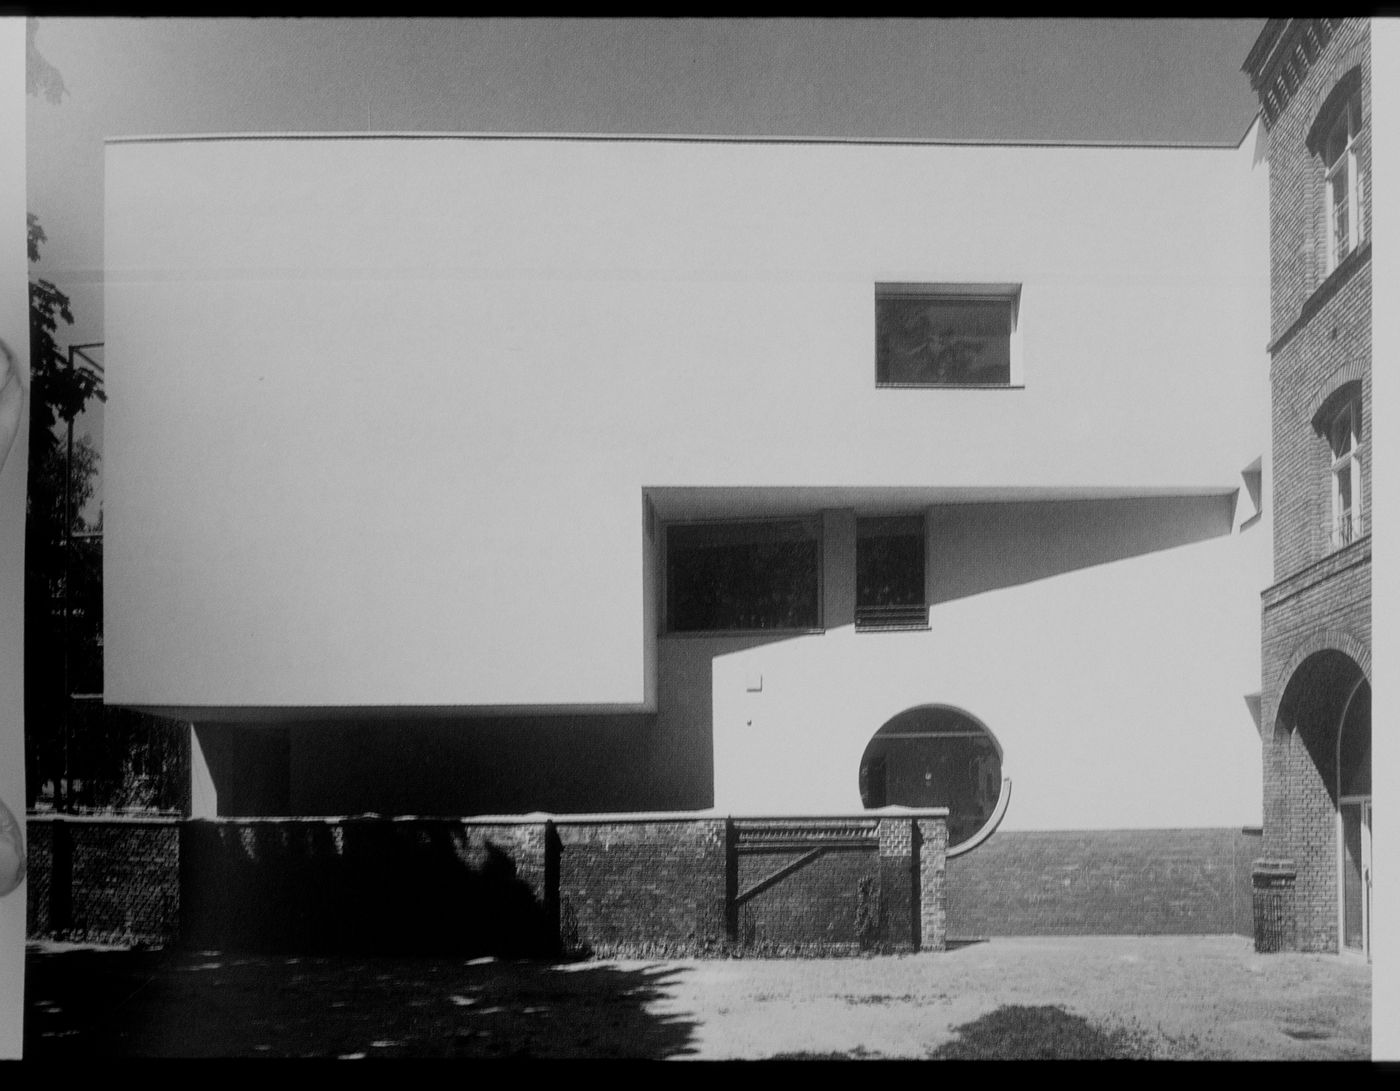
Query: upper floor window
x,y
727,577
945,335
1347,442
890,573
1345,193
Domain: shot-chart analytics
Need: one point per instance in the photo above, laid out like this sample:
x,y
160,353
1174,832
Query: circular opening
x,y
935,756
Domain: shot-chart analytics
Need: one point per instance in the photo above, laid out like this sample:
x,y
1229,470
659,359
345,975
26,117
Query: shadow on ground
x,y
86,1002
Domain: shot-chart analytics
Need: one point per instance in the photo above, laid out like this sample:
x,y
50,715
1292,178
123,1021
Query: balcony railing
x,y
871,619
1342,530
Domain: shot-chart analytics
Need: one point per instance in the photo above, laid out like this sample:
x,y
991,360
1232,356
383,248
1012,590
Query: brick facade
x,y
1317,615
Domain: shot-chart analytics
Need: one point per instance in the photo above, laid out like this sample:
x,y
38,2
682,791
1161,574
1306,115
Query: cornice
x,y
1281,58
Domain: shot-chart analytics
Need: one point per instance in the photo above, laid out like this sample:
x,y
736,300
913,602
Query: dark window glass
x,y
935,757
728,576
890,562
934,341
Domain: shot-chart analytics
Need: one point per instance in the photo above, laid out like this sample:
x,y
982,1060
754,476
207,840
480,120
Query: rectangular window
x,y
1344,194
727,577
1346,442
944,335
890,574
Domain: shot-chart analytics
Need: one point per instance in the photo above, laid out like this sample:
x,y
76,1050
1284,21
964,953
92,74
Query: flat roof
x,y
674,138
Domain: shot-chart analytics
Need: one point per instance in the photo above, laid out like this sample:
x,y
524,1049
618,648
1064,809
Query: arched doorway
x,y
1354,819
1325,722
938,756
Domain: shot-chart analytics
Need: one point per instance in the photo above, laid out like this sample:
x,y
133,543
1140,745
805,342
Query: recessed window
x,y
890,574
1345,228
941,335
1347,442
726,577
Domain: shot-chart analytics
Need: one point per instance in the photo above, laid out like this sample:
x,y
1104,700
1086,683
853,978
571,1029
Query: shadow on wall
x,y
369,886
1036,540
564,764
561,764
97,1004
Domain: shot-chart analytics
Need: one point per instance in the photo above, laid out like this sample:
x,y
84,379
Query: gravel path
x,y
1190,997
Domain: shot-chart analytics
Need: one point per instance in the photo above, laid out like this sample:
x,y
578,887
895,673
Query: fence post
x,y
61,878
731,880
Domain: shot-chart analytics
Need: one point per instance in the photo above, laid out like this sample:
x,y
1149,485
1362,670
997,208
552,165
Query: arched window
x,y
1336,138
1339,420
1345,437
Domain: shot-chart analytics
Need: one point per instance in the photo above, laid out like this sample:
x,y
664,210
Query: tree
x,y
40,76
63,575
56,391
122,759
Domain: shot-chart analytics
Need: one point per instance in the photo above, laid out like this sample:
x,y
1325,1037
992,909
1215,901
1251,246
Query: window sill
x,y
905,617
949,386
724,634
1329,287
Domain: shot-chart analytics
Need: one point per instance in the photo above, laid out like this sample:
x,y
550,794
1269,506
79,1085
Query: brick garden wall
x,y
637,886
610,885
1104,882
392,885
619,886
104,880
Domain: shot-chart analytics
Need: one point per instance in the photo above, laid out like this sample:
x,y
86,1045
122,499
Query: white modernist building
x,y
490,474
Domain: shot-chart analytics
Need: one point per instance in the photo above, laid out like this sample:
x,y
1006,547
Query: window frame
x,y
1006,293
1343,183
813,527
1346,443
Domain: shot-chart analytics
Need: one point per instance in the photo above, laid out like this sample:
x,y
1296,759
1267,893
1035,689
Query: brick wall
x,y
1104,882
1334,343
830,885
1296,179
1321,337
632,886
687,885
611,885
775,886
103,879
402,885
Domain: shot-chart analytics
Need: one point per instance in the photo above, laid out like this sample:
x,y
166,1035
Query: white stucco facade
x,y
387,415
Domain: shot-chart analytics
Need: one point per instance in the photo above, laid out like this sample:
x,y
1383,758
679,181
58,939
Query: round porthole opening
x,y
935,756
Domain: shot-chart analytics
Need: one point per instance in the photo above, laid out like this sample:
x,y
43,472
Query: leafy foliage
x,y
56,391
41,78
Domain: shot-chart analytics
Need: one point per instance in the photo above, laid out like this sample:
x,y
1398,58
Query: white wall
x,y
1117,690
382,409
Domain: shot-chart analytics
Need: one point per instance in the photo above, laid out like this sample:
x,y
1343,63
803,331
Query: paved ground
x,y
1190,997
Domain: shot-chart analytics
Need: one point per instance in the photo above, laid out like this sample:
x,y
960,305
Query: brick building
x,y
1313,77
